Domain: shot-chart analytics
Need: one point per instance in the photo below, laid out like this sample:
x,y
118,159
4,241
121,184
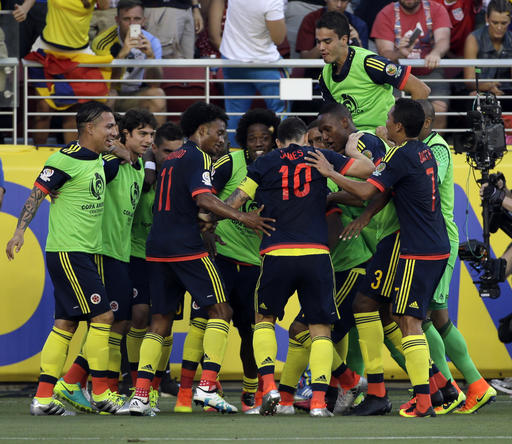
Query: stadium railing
x,y
9,95
208,82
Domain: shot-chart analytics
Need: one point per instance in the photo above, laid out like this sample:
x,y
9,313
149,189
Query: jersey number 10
x,y
301,186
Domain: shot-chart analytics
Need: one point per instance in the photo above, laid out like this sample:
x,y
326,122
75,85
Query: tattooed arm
x,y
237,199
27,214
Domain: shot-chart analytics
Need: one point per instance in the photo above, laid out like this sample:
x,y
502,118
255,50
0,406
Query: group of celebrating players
x,y
354,214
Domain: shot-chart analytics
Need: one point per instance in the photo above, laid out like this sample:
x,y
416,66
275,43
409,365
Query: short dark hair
x,y
168,131
89,112
428,108
136,118
498,6
336,21
336,109
198,114
410,114
291,129
266,117
313,124
128,4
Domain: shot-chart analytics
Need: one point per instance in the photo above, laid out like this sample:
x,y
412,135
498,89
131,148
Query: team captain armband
x,y
51,179
249,187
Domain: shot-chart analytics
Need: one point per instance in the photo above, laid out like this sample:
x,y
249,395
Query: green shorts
x,y
440,299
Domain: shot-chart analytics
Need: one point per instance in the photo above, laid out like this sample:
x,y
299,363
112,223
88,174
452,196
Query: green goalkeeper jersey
x,y
142,221
121,199
76,215
443,156
242,243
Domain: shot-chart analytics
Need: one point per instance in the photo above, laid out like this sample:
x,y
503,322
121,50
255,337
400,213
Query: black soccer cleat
x,y
437,398
450,393
372,406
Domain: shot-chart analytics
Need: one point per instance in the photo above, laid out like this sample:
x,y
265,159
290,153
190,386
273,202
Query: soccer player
x,y
360,79
442,336
178,259
411,171
238,259
314,135
296,255
74,240
168,138
123,190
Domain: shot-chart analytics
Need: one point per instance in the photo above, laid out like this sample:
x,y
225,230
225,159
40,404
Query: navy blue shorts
x,y
78,289
347,283
381,270
139,275
168,282
311,276
240,281
116,277
415,283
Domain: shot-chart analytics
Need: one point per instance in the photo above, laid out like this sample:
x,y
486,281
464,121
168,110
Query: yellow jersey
x,y
67,24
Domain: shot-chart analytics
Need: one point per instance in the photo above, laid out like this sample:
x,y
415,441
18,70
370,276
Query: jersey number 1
x,y
299,189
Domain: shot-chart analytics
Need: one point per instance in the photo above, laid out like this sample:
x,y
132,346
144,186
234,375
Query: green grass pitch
x,y
491,424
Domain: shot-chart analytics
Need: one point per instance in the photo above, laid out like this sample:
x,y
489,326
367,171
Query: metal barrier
x,y
212,65
9,94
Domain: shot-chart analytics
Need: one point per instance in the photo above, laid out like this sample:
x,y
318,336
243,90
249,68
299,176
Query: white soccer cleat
x,y
320,413
213,399
140,406
38,407
346,398
285,410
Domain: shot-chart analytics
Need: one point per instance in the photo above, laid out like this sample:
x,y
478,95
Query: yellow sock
x,y
193,346
265,346
371,338
342,348
166,353
114,356
320,361
296,362
150,353
133,342
304,338
55,352
249,385
96,347
336,359
416,358
214,344
393,333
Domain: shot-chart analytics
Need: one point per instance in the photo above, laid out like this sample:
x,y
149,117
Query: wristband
x,y
149,165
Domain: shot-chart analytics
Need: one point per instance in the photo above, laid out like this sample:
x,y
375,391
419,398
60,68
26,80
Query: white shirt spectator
x,y
246,37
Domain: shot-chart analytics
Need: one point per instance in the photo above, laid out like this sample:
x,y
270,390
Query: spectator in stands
x,y
2,185
462,16
119,42
175,23
491,42
394,26
296,10
251,33
103,19
66,32
208,41
31,14
367,10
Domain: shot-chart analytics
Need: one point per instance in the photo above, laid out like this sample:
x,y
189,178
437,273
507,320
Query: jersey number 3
x,y
301,182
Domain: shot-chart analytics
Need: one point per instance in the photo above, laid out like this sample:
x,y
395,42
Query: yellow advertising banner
x,y
27,302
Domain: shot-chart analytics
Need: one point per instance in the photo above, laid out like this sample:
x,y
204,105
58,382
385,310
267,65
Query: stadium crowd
x,y
353,211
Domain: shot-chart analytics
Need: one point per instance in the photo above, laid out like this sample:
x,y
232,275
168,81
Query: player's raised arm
x,y
253,220
28,212
363,190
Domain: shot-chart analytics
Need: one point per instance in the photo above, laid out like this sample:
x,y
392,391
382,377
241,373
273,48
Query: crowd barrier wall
x,y
26,313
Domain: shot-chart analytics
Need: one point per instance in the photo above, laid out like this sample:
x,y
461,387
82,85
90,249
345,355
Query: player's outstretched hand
x,y
354,228
14,244
318,160
253,220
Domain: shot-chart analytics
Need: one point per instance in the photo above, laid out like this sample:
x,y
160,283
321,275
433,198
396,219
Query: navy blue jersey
x,y
293,193
411,171
372,147
175,233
